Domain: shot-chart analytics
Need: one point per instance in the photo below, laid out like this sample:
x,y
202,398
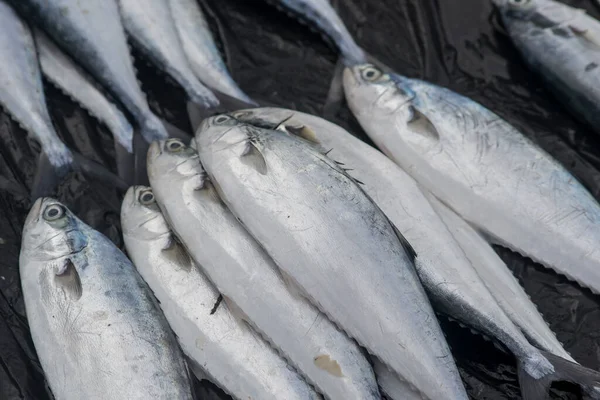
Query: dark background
x,y
458,44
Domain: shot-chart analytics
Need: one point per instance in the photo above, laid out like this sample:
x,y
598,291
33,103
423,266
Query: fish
x,y
218,346
391,385
96,327
66,75
151,28
321,14
91,32
22,92
309,215
488,173
201,51
329,360
501,282
450,278
562,44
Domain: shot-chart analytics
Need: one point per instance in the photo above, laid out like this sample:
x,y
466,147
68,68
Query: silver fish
x,y
451,281
72,80
226,351
562,44
483,168
320,13
199,47
97,329
391,385
501,282
250,281
21,90
152,29
491,175
91,32
309,216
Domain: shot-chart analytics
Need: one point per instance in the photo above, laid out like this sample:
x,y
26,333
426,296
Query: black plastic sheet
x,y
455,43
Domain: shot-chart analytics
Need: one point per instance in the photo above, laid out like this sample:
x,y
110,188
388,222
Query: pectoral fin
x,y
419,123
67,277
253,158
175,251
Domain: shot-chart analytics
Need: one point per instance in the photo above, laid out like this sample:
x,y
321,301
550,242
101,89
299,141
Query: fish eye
x,y
221,119
54,212
146,197
371,74
175,145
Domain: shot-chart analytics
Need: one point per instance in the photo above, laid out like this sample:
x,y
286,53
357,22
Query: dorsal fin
x,y
67,277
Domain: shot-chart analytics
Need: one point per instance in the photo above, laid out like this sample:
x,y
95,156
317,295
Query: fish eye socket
x,y
54,212
371,74
146,197
175,145
221,119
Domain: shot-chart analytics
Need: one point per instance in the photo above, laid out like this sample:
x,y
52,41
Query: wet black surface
x,y
455,43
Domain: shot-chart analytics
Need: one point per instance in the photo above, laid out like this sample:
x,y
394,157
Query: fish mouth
x,y
350,78
36,210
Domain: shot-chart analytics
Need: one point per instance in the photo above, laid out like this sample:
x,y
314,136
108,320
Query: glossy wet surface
x,y
454,43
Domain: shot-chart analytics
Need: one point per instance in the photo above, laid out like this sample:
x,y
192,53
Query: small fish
x,y
201,51
76,83
152,28
491,175
323,16
329,360
219,347
21,90
96,327
562,44
309,215
91,32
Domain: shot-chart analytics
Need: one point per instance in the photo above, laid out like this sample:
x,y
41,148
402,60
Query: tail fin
x,y
152,129
564,370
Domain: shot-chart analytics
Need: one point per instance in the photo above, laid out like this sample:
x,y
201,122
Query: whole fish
x,y
323,16
200,48
91,32
562,44
219,347
490,174
152,29
451,280
250,281
21,90
501,282
72,80
97,329
309,216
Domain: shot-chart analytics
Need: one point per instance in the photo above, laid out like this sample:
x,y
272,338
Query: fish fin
x,y
140,156
418,122
410,251
125,163
215,307
291,285
585,34
47,177
152,129
175,132
196,115
98,172
176,252
563,370
252,157
304,132
67,277
335,96
238,314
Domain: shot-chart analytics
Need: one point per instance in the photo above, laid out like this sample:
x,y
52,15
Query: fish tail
x,y
152,129
53,165
537,375
335,96
202,95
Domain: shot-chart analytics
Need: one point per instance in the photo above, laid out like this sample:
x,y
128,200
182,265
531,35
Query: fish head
x,y
530,17
52,231
140,215
265,117
172,159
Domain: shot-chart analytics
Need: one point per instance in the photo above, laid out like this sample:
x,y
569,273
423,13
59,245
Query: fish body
x,y
21,90
391,385
71,79
152,29
309,216
218,345
200,48
91,33
97,329
482,168
323,16
448,276
249,279
501,283
562,44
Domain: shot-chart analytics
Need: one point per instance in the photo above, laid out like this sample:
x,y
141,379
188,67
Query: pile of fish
x,y
275,254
